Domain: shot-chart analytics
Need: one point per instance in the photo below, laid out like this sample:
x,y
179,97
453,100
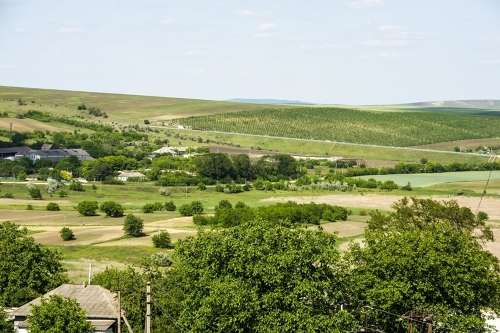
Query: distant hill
x,y
492,104
269,101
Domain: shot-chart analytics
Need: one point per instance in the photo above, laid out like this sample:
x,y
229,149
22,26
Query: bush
x,y
29,207
407,187
35,192
76,186
219,188
162,240
148,208
202,187
62,194
133,226
186,210
224,204
203,220
197,207
170,206
112,181
8,195
87,208
52,206
67,234
389,185
112,209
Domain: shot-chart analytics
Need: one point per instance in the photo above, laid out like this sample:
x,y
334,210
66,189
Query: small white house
x,y
98,303
174,151
125,176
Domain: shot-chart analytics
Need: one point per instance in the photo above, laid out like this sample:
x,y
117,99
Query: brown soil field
x,y
489,205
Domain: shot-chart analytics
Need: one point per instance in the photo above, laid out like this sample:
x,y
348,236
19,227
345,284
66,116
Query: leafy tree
x,y
186,210
75,185
87,208
223,204
242,166
170,206
71,164
52,206
66,234
196,207
133,226
424,258
27,269
257,278
111,208
215,165
34,192
162,240
5,326
58,315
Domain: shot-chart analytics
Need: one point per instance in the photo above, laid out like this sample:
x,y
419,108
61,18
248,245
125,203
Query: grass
x,y
316,148
351,125
429,179
121,108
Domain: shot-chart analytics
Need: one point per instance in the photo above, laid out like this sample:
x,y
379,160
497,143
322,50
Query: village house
x,y
126,176
45,153
174,151
11,152
98,303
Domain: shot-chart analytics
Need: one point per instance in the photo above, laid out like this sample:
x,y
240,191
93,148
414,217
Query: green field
x,y
318,148
121,108
352,125
430,179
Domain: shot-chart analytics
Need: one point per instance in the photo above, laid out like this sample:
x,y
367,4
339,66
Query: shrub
x,y
219,188
389,185
203,220
8,195
186,210
224,204
112,209
197,207
67,234
148,208
29,207
133,226
87,208
162,240
76,186
202,187
240,205
62,194
170,206
407,187
52,206
160,260
112,181
35,192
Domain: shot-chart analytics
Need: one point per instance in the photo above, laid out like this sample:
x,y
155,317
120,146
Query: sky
x,y
321,51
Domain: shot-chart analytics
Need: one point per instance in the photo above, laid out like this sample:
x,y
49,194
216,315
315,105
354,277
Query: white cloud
x,y
392,36
266,26
167,21
366,3
263,35
246,12
70,29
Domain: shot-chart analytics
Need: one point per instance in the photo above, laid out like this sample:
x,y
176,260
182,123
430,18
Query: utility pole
x,y
119,312
148,308
90,274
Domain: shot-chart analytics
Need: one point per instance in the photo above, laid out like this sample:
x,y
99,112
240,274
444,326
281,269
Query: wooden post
x,y
148,308
119,313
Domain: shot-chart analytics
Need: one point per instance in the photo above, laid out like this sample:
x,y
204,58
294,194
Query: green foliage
x,y
67,234
75,185
152,207
106,167
193,208
27,269
58,315
5,326
87,208
112,209
162,240
350,125
52,206
34,192
133,226
439,269
259,279
170,206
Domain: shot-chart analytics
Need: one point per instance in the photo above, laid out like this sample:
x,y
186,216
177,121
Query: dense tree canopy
x,y
27,269
423,257
58,315
256,278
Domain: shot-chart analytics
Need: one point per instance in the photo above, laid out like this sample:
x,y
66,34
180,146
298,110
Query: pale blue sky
x,y
325,51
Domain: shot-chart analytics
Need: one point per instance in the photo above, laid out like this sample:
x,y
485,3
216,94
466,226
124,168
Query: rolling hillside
x,y
119,107
352,125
